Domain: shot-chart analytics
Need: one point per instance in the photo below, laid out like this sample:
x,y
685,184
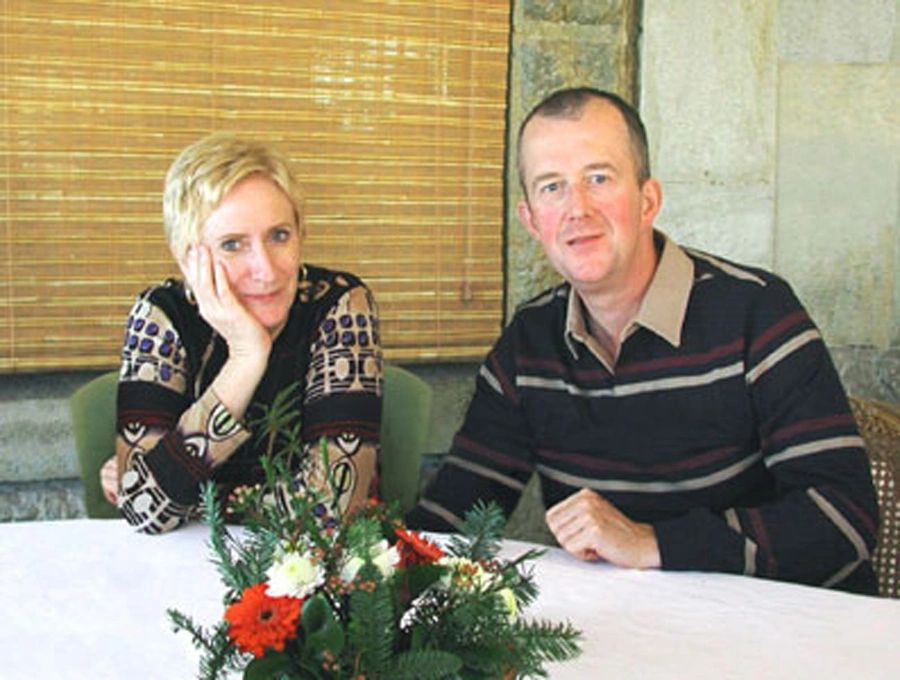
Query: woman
x,y
205,356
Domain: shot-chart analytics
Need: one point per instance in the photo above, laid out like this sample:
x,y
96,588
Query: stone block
x,y
528,271
36,440
542,10
868,372
47,500
734,222
837,230
587,57
35,432
593,12
838,31
587,12
708,90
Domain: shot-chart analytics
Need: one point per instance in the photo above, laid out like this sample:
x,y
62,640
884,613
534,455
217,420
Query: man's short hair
x,y
204,172
570,103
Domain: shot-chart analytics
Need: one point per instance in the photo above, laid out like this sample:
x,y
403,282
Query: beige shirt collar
x,y
662,309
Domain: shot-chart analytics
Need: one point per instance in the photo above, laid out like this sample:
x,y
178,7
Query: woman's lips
x,y
262,298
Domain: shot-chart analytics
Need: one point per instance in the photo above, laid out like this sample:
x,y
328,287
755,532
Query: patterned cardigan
x,y
173,433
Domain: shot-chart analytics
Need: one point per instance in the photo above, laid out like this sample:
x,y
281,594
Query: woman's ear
x,y
181,256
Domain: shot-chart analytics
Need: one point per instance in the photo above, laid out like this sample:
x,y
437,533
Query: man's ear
x,y
651,200
523,210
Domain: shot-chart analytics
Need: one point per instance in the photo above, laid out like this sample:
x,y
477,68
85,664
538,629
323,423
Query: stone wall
x,y
556,44
774,128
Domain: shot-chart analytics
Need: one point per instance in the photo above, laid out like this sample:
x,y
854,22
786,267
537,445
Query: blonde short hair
x,y
204,172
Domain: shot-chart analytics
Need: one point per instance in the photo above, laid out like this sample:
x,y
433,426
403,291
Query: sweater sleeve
x,y
167,443
490,458
820,525
342,401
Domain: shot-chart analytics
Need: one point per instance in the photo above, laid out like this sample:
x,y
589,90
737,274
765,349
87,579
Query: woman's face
x,y
254,234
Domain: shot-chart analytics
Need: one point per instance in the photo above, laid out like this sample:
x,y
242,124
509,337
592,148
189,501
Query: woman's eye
x,y
282,235
231,245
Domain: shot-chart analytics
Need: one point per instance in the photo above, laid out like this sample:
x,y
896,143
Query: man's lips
x,y
582,239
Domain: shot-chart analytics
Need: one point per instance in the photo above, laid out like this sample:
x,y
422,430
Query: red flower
x,y
414,549
258,621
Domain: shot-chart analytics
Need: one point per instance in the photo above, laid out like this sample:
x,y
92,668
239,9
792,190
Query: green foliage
x,y
323,631
279,425
482,530
429,664
217,652
372,630
418,619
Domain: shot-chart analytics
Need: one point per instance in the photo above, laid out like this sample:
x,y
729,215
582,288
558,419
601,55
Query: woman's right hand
x,y
246,338
109,479
249,342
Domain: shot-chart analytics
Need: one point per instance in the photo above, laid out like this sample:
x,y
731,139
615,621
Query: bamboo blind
x,y
393,112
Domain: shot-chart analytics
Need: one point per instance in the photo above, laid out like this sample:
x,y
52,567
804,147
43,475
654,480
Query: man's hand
x,y
591,528
220,308
109,479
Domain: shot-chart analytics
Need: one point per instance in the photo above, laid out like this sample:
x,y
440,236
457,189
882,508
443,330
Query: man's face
x,y
584,202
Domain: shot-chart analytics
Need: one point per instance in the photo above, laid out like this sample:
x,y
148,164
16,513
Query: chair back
x,y
405,418
879,425
93,411
406,413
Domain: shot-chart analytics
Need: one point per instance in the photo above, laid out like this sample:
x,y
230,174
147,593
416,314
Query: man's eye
x,y
597,179
550,188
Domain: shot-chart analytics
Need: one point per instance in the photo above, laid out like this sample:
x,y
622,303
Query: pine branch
x,y
426,664
372,628
215,646
483,530
540,642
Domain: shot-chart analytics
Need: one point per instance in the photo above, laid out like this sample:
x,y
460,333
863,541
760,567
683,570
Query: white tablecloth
x,y
88,599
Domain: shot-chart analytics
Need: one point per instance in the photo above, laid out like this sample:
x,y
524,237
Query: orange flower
x,y
258,621
414,549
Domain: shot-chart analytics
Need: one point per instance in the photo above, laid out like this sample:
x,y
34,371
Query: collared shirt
x,y
722,423
662,309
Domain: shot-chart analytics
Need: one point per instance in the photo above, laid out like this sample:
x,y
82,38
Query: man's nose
x,y
578,201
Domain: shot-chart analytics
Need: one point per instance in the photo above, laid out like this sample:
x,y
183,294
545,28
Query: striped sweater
x,y
722,423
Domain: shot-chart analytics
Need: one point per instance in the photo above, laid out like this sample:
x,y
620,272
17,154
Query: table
x,y
87,599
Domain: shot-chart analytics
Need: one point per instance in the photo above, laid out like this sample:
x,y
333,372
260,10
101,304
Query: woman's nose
x,y
262,264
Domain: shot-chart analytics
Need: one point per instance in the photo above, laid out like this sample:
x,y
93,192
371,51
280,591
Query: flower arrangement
x,y
310,593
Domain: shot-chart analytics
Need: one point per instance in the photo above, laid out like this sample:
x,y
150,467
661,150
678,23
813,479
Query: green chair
x,y
405,418
406,413
93,411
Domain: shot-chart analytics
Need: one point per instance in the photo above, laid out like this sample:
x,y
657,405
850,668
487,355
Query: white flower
x,y
384,557
464,572
468,574
509,599
294,575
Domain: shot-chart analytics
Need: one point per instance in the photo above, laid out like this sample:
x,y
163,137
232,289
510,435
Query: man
x,y
681,411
